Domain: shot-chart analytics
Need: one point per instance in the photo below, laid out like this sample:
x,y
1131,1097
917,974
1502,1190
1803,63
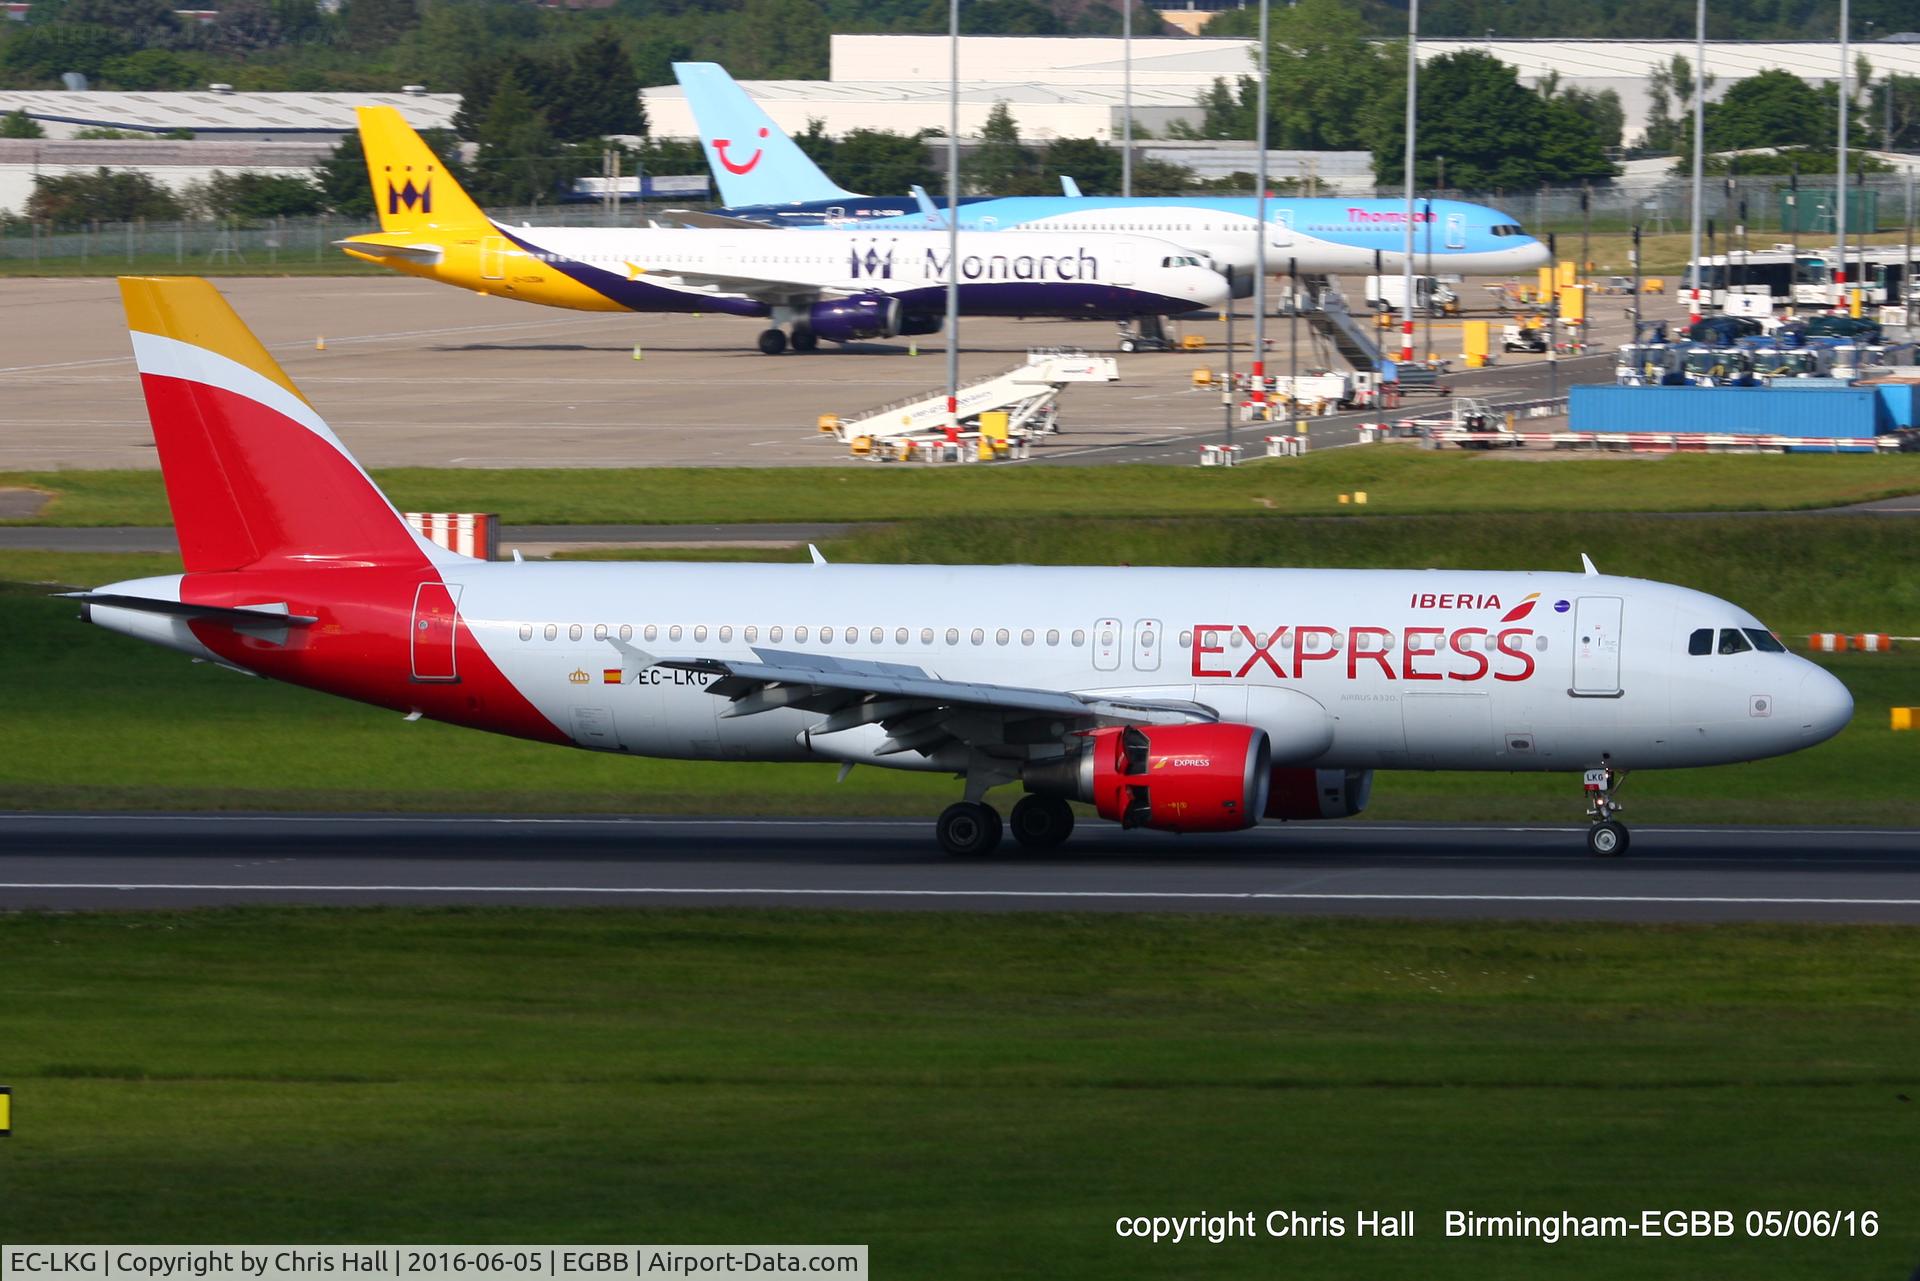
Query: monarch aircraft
x,y
838,285
1183,700
779,184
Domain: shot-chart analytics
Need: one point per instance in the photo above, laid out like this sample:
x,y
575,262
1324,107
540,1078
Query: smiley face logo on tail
x,y
1521,610
720,146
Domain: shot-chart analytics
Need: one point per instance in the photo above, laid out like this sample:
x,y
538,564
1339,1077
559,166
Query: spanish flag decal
x,y
610,676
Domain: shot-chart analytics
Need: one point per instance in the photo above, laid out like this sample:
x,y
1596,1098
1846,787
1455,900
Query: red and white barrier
x,y
1873,642
1286,446
1827,642
468,533
1219,455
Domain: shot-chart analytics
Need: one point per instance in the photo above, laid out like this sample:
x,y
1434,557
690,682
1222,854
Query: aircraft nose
x,y
1535,255
1822,706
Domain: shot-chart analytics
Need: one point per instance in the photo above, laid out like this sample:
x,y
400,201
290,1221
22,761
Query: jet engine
x,y
1318,793
919,324
1174,778
845,319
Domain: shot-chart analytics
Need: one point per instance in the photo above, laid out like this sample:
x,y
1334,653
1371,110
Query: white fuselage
x,y
1004,273
1413,669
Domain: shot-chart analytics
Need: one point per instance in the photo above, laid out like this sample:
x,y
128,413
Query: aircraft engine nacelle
x,y
845,319
1297,794
1174,778
915,325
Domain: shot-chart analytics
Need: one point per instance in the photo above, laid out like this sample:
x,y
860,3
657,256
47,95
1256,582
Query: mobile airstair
x,y
1338,328
1028,394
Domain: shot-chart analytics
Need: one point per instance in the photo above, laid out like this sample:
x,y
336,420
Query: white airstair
x,y
1027,394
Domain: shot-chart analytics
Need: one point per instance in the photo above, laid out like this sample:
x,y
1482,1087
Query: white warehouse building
x,y
1071,86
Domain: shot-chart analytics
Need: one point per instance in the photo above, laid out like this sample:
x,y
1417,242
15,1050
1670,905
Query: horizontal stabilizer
x,y
374,249
253,616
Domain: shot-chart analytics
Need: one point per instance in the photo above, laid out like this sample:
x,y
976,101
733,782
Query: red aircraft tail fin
x,y
253,474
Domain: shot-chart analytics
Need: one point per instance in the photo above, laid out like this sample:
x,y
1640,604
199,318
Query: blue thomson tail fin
x,y
752,158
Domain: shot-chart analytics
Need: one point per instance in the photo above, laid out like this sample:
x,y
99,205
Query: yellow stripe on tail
x,y
190,310
412,190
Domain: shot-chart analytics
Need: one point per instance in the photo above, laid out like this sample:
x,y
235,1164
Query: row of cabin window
x,y
1734,640
776,634
978,636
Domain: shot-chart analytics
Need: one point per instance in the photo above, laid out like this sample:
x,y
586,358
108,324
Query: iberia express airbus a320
x,y
1185,700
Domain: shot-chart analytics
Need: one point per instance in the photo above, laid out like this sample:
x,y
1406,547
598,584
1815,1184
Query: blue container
x,y
1859,413
1902,404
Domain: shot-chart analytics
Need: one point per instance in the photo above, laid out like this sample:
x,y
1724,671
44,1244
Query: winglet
x,y
1068,187
928,209
814,552
1586,564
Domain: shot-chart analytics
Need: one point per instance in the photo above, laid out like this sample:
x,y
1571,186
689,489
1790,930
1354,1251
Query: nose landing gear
x,y
1608,836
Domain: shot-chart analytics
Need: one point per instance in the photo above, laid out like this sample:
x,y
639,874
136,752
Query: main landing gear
x,y
775,341
972,829
1607,837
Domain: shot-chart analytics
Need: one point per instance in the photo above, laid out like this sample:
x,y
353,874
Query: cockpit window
x,y
1508,229
1764,641
1733,642
1701,642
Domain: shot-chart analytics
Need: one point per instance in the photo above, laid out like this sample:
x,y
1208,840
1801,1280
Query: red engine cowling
x,y
1318,793
1179,778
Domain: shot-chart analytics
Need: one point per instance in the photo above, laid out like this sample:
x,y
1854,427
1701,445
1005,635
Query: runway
x,y
1379,869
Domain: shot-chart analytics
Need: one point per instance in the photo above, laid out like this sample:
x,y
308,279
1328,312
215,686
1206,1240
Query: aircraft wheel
x,y
969,829
805,339
1041,822
1608,839
1128,344
772,342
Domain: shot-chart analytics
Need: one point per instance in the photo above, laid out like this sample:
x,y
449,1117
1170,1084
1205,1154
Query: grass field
x,y
205,738
1397,481
974,1096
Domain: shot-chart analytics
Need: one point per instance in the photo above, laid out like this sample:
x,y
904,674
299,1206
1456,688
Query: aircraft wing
x,y
702,218
764,289
919,711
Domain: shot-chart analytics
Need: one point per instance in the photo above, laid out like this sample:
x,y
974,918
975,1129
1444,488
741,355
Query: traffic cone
x,y
637,353
320,343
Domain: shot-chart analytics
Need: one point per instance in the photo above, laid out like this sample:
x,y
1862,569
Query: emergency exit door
x,y
1280,229
1456,231
1147,643
435,616
1106,645
1596,646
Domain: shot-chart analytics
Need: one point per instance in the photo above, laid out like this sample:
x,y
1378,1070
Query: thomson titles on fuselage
x,y
873,261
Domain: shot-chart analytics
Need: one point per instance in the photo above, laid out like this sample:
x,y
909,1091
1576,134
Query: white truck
x,y
1430,294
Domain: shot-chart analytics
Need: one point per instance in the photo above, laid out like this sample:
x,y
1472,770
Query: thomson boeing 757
x,y
840,286
765,177
1182,700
